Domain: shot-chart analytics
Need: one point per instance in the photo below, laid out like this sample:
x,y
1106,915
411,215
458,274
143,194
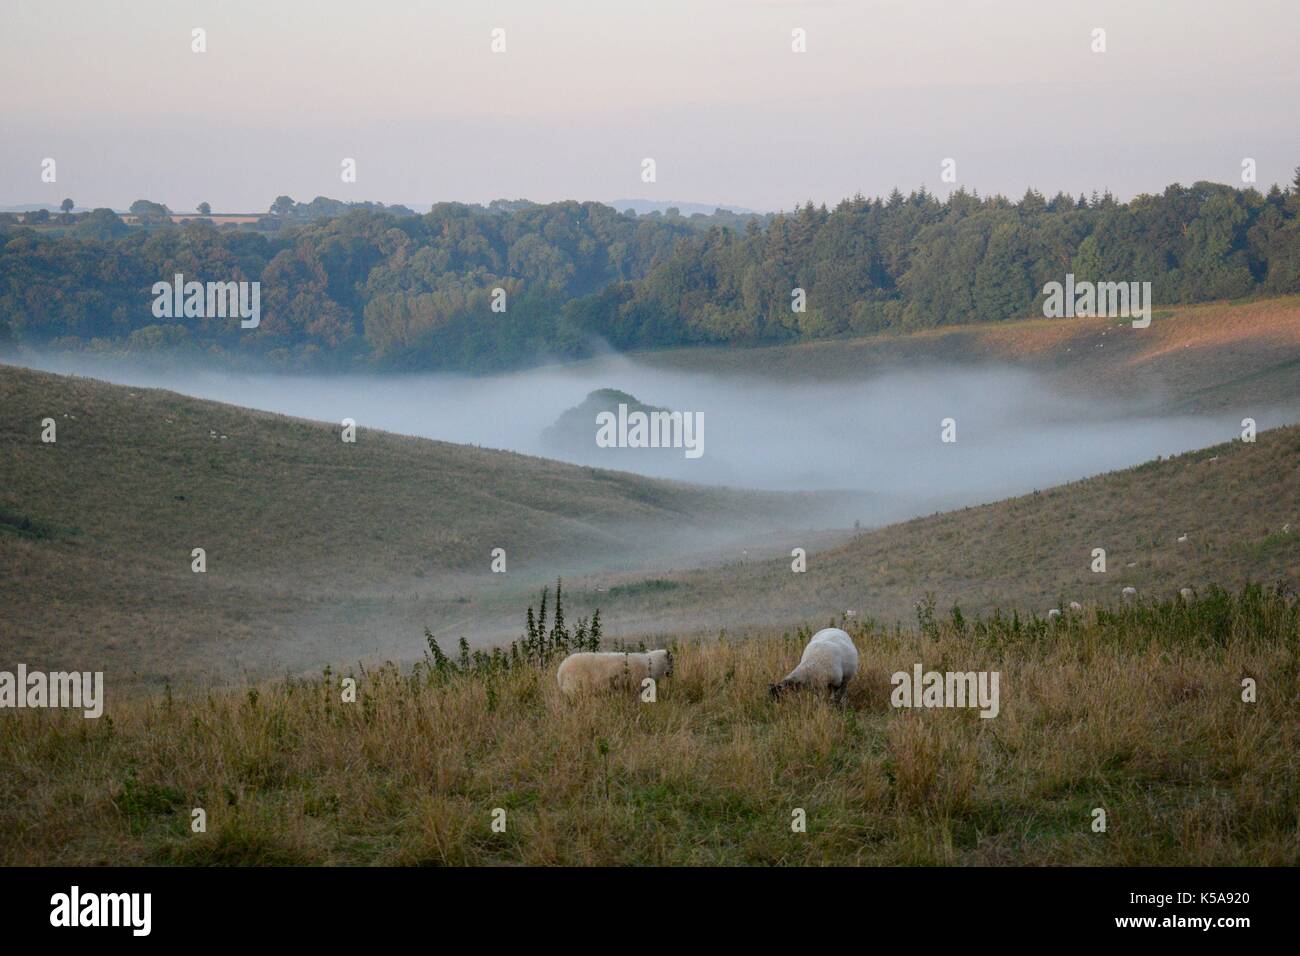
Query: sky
x,y
585,90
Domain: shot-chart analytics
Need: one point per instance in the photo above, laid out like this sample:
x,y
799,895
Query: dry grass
x,y
1208,357
1138,711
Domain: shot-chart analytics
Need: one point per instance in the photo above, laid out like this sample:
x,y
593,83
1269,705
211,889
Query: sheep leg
x,y
839,693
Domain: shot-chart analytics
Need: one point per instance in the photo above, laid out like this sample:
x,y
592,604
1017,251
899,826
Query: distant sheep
x,y
1076,606
608,670
1182,539
1188,594
1130,593
829,662
1053,614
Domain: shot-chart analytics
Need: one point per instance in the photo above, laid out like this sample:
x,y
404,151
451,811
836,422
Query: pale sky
x,y
586,89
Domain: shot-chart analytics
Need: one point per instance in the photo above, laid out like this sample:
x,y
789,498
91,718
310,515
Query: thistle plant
x,y
537,646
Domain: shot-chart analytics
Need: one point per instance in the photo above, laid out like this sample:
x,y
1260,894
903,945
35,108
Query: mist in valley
x,y
1015,432
870,451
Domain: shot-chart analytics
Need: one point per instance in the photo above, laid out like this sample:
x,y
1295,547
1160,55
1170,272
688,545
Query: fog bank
x,y
1014,432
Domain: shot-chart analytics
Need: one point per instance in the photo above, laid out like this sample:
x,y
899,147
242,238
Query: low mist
x,y
1015,432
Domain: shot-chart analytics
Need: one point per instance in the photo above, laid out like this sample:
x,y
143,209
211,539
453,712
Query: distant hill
x,y
643,206
574,432
33,206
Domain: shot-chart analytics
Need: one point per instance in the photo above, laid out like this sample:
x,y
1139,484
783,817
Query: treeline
x,y
393,290
398,290
912,262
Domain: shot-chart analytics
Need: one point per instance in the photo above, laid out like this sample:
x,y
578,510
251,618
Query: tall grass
x,y
1135,709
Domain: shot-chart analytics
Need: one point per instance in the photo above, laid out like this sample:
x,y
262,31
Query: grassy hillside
x,y
1233,502
1137,711
323,551
307,538
1211,357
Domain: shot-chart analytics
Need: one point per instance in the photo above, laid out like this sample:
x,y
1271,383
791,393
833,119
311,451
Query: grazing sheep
x,y
1187,594
1182,539
1076,606
1053,614
1130,593
611,669
829,661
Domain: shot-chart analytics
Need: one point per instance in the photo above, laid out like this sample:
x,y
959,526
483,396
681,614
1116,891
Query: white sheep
x,y
1187,594
1076,606
1130,593
1182,539
1053,614
606,670
829,661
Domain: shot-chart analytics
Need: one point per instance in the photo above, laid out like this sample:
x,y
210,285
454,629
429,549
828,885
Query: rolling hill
x,y
321,551
1192,358
1238,505
312,544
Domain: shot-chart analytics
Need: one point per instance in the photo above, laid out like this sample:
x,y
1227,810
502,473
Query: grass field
x,y
1137,711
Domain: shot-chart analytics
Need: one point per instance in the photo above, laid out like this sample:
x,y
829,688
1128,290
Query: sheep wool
x,y
607,670
829,661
